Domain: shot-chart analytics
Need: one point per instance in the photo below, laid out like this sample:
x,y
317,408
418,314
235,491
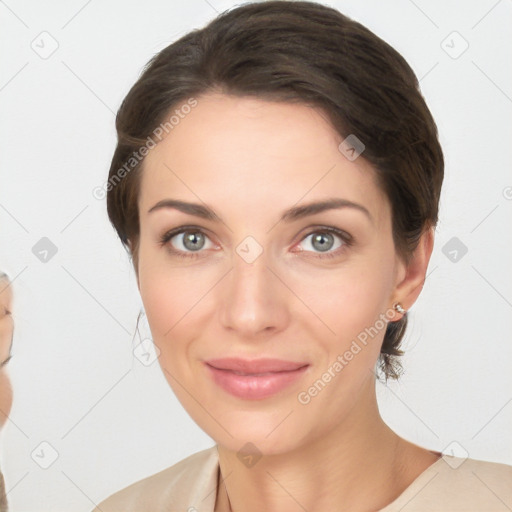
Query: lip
x,y
254,366
254,379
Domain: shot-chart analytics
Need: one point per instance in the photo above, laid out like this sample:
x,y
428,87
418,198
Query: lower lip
x,y
254,387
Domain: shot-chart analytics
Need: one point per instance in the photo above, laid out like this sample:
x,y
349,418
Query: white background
x,y
77,384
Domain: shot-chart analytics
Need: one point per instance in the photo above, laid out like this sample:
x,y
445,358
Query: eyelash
x,y
345,237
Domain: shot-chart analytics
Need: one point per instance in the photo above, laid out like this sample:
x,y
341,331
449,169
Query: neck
x,y
360,464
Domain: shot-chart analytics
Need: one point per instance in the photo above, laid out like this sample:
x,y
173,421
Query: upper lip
x,y
264,365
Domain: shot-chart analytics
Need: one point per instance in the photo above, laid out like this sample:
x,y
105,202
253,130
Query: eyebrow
x,y
290,215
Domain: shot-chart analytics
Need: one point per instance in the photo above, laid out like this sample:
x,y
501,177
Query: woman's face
x,y
6,329
256,285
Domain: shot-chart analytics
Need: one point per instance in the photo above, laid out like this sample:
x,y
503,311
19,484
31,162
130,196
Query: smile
x,y
254,380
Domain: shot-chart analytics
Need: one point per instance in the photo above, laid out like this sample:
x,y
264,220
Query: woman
x,y
276,181
6,330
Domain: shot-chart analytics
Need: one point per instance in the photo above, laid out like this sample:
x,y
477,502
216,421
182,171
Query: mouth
x,y
255,366
254,379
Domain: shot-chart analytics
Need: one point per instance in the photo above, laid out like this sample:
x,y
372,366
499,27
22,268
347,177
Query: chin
x,y
256,443
271,432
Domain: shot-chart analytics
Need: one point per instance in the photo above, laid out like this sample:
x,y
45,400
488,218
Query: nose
x,y
254,299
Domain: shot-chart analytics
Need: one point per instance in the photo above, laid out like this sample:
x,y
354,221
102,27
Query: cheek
x,y
353,345
348,299
177,303
351,303
353,306
170,295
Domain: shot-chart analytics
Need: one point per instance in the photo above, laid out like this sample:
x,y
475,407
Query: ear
x,y
411,275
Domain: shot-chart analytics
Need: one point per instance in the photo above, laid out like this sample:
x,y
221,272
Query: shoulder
x,y
458,484
477,477
188,484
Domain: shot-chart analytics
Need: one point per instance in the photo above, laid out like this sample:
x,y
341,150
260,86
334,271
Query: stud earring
x,y
398,307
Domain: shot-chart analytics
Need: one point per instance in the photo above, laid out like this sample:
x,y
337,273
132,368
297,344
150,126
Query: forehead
x,y
259,152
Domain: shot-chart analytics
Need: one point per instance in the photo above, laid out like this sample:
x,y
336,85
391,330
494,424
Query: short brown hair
x,y
307,53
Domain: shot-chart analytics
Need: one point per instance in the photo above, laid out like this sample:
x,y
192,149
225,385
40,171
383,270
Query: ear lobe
x,y
407,291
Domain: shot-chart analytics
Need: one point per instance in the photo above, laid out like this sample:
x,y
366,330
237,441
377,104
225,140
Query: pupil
x,y
323,246
191,240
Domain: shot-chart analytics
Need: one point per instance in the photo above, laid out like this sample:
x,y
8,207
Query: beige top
x,y
451,484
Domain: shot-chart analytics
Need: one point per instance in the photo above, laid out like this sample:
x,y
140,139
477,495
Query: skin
x,y
6,331
249,160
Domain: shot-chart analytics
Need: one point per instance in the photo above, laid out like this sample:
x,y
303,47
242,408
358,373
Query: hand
x,y
6,322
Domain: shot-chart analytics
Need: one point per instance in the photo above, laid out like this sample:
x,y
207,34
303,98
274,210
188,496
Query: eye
x,y
188,242
323,241
185,241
